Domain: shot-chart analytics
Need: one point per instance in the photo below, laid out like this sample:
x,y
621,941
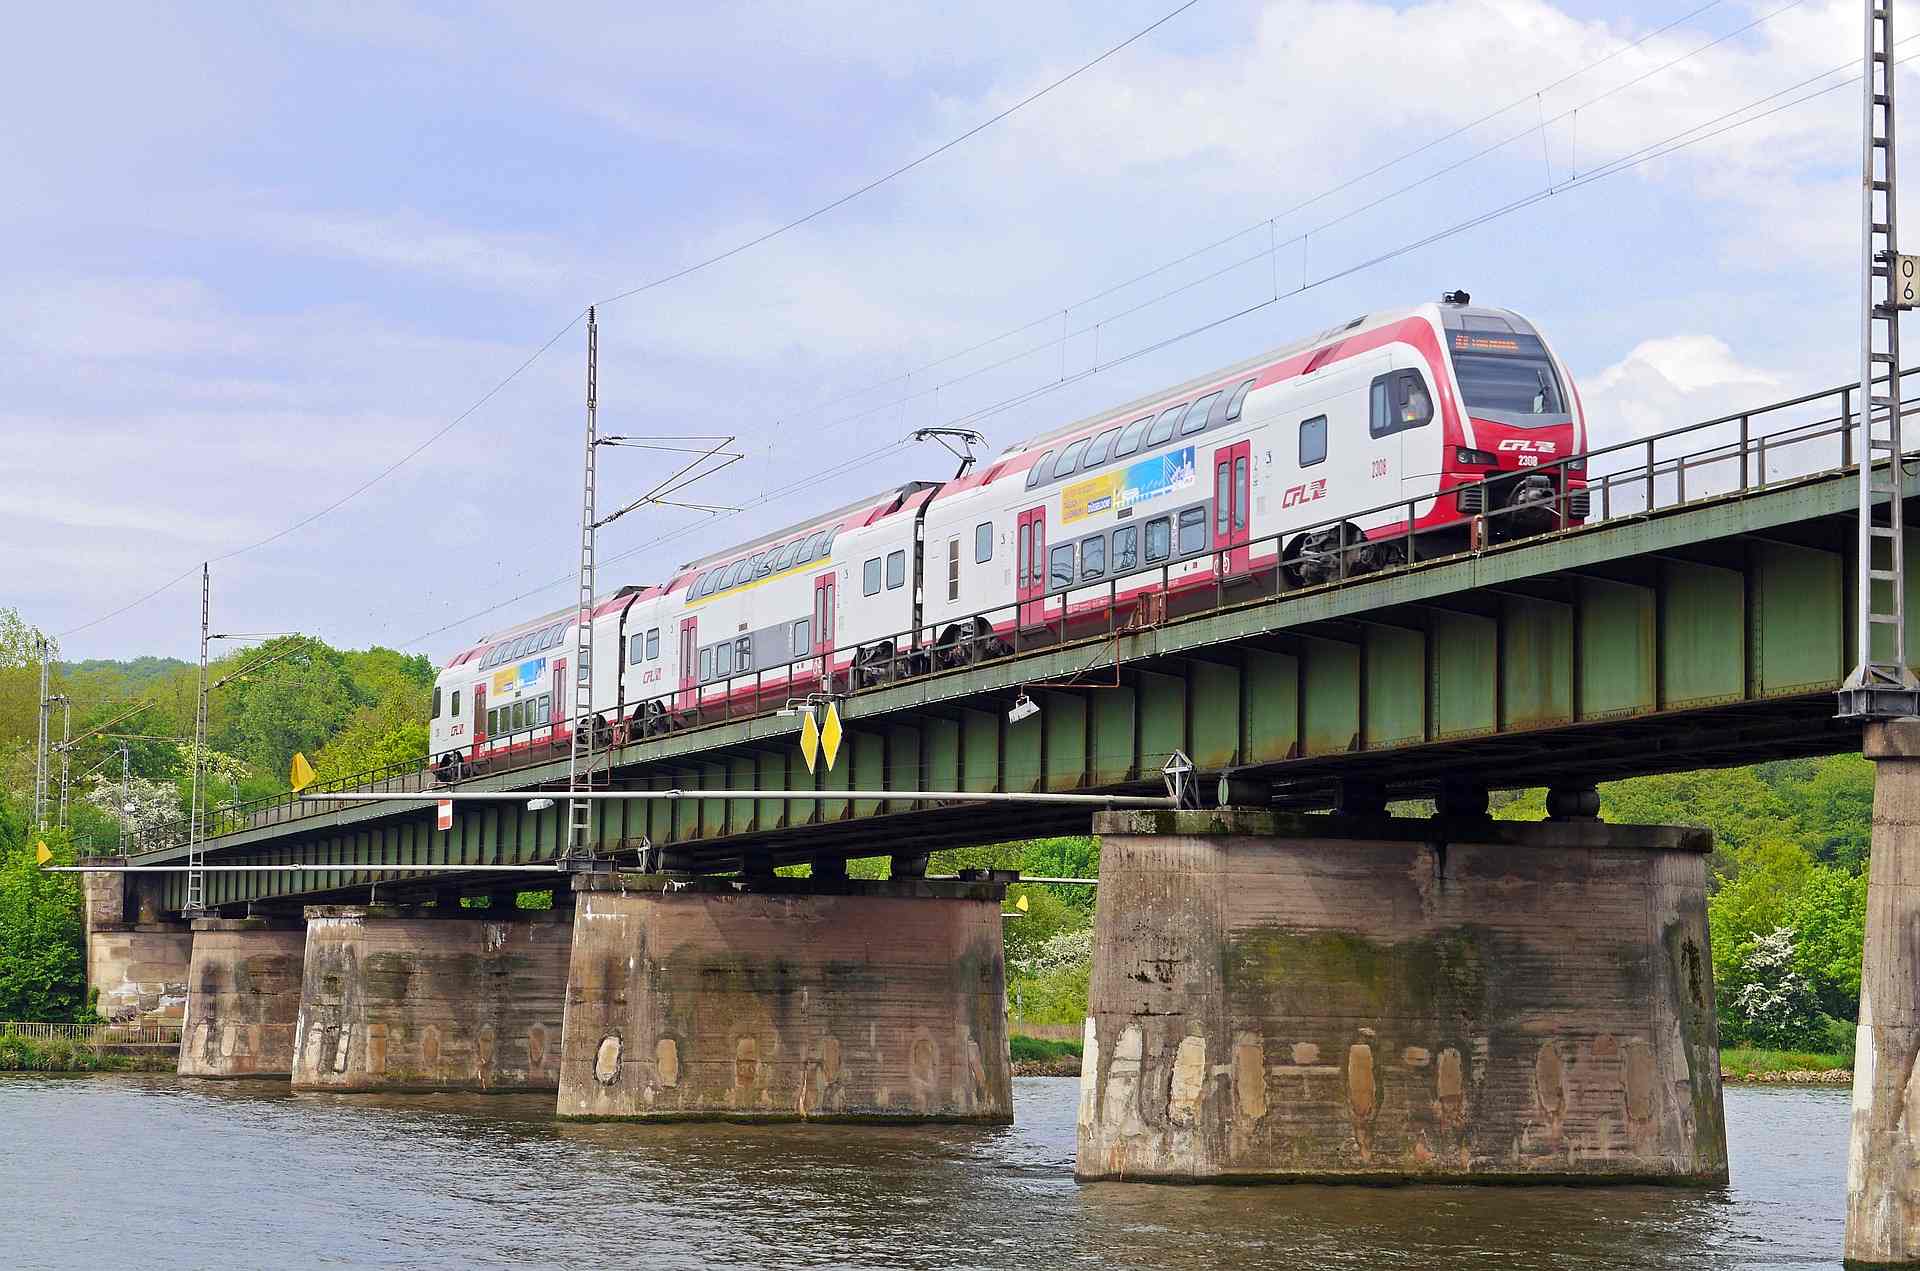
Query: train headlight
x,y
1483,458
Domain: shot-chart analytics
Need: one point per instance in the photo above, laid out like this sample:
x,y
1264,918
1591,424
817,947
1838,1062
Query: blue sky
x,y
258,253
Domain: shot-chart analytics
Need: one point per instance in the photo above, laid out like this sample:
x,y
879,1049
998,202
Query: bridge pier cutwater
x,y
397,997
1289,997
781,999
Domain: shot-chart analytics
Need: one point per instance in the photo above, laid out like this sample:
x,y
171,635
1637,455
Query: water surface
x,y
122,1170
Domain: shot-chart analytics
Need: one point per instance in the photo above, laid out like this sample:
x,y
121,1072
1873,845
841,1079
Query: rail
x,y
1621,481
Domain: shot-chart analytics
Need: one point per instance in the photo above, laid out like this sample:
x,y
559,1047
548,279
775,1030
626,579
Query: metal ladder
x,y
580,757
1881,685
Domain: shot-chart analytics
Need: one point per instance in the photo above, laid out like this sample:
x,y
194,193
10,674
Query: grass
x,y
1747,1061
1038,1050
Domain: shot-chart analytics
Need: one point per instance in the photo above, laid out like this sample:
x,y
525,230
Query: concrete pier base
x,y
243,997
787,999
135,959
1883,1158
400,998
1283,997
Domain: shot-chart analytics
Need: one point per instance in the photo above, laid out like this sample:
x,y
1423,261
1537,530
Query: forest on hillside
x,y
1787,908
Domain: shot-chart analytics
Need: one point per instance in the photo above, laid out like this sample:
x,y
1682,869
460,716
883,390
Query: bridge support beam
x,y
784,999
1883,1160
243,997
403,998
1286,997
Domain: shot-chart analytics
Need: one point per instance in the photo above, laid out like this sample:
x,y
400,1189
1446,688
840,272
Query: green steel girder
x,y
1711,633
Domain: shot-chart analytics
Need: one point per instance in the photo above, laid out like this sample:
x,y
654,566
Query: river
x,y
122,1170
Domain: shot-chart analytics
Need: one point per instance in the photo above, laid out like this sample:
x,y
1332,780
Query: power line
x,y
1659,149
904,168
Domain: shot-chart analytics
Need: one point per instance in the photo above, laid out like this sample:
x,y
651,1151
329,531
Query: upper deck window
x,y
1038,472
1130,437
784,559
1197,415
1163,426
1097,452
1238,401
1069,459
815,546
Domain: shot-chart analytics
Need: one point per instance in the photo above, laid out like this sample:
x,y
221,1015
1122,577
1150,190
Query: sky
x,y
259,254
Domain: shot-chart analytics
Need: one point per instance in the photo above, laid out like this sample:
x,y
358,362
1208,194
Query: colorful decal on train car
x,y
531,672
503,682
1124,487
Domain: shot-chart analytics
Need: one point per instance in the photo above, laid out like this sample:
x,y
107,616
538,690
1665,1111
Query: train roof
x,y
893,498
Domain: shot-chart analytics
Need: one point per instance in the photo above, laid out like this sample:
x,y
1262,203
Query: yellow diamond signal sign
x,y
810,740
42,853
830,735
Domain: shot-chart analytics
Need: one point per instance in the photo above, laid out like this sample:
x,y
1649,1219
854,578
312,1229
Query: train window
x,y
1240,493
983,542
556,633
1159,539
1038,472
815,546
1222,496
1163,426
436,701
802,637
455,712
1097,452
1398,400
896,569
543,710
1238,400
763,563
1197,415
1130,437
706,664
636,649
831,535
1193,531
1093,557
1025,553
870,577
1069,459
493,721
722,660
784,557
699,587
1060,566
743,653
653,643
1126,548
953,569
1313,441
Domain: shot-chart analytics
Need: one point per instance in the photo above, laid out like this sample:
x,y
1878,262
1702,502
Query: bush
x,y
1776,1003
1039,1050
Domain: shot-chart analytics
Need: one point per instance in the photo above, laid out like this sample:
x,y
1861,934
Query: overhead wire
x,y
574,321
1670,144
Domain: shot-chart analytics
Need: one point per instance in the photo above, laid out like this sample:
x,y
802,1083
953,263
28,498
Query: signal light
x,y
1484,458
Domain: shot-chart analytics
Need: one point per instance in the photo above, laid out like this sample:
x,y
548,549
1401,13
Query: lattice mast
x,y
40,748
196,848
1881,685
580,752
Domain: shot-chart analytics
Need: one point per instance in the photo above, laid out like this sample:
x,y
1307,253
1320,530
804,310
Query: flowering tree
x,y
1776,1002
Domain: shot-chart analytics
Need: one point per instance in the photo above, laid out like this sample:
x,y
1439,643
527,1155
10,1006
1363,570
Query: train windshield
x,y
1508,377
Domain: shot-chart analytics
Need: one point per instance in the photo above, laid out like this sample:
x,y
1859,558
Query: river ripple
x,y
155,1172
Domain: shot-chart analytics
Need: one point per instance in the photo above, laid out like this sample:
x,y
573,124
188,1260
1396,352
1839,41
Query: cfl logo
x,y
1299,494
1527,445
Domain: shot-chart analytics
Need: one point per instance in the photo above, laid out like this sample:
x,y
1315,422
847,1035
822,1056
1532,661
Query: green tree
x,y
43,974
295,704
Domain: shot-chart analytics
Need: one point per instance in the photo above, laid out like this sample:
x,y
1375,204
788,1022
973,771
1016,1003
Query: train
x,y
1438,425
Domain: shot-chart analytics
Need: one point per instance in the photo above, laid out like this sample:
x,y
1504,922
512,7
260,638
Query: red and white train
x,y
1261,474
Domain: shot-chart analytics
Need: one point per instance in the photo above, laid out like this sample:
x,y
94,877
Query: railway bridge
x,y
1289,981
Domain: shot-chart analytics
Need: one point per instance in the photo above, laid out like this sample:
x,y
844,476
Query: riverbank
x,y
62,1054
1043,1056
1785,1067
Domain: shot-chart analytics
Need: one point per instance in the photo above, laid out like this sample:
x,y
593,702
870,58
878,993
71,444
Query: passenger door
x,y
479,717
824,590
1232,481
689,663
1030,564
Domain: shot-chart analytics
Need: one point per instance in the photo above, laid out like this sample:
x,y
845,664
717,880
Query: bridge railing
x,y
1728,456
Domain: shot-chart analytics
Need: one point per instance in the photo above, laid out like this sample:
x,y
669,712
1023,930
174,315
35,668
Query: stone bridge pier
x,y
1293,997
777,999
396,997
243,997
136,958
